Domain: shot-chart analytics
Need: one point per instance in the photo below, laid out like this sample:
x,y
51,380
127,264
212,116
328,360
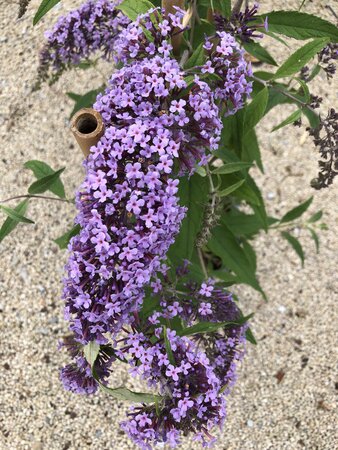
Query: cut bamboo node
x,y
88,128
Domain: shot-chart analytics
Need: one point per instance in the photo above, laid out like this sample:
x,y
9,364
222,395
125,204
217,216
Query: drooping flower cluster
x,y
158,125
190,389
226,60
129,212
195,376
93,27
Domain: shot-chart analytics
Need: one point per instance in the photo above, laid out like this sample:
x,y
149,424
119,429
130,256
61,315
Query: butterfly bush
x,y
160,123
93,27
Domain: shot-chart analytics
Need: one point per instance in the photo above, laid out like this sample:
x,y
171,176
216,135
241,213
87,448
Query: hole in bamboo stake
x,y
86,124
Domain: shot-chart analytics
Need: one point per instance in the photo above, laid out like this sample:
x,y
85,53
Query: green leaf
x,y
84,101
255,110
292,118
241,224
230,189
250,337
259,52
301,25
296,212
210,327
44,7
125,394
300,58
40,170
295,244
224,244
15,215
63,240
250,149
91,351
133,9
197,58
315,237
203,29
223,6
231,167
44,184
193,193
315,217
9,224
168,347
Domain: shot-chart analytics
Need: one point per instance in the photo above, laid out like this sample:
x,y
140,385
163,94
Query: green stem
x,y
37,196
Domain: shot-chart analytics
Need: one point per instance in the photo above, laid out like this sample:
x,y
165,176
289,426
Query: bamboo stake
x,y
87,127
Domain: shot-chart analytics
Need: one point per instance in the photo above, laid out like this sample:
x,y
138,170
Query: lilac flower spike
x,y
93,27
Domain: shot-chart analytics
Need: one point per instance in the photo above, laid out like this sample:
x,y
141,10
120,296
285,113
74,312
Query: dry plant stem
x,y
88,128
169,7
36,196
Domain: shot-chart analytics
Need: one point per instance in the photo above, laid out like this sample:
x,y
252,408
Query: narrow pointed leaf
x,y
44,184
300,58
9,224
300,25
292,118
45,6
259,52
295,244
255,110
230,189
14,215
210,327
250,337
124,394
297,211
315,237
40,170
232,167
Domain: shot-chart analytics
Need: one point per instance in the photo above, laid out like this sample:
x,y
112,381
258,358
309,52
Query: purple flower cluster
x,y
92,27
190,389
129,212
226,60
196,377
149,35
240,24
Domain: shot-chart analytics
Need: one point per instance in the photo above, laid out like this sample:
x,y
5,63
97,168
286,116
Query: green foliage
x,y
124,394
84,101
45,183
255,110
231,167
295,244
193,193
91,352
45,6
41,170
290,119
301,26
211,327
296,212
12,221
63,240
15,215
300,58
133,9
197,58
259,52
230,189
168,347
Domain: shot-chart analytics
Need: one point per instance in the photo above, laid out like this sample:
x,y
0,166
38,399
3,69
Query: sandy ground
x,y
295,329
